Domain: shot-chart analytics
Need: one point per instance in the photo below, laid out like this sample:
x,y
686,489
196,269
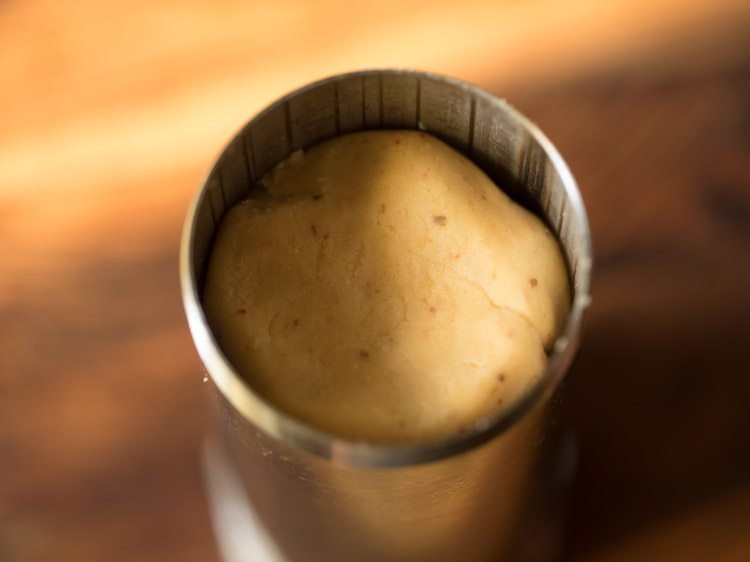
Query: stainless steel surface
x,y
327,498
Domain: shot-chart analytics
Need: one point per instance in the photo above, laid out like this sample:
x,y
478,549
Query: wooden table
x,y
110,114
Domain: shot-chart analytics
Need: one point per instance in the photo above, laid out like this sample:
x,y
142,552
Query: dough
x,y
381,287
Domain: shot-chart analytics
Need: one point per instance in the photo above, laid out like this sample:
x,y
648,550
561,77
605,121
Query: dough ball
x,y
380,286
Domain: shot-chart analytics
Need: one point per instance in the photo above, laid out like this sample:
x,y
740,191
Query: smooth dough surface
x,y
381,287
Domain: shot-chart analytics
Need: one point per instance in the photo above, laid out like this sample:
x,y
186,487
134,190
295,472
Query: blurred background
x,y
110,113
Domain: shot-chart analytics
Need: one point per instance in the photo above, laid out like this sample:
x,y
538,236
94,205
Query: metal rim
x,y
281,426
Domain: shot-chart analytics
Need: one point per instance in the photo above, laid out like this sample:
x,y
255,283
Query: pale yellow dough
x,y
381,287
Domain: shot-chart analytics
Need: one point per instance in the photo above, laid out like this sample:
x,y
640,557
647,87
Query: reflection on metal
x,y
240,535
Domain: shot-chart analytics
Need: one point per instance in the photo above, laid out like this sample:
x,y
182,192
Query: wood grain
x,y
111,113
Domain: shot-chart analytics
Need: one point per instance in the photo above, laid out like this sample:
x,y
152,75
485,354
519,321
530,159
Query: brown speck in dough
x,y
426,173
309,350
458,256
484,197
501,377
440,220
402,424
314,230
461,429
382,208
363,354
241,311
317,197
397,141
433,309
295,321
326,236
392,228
533,282
499,401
